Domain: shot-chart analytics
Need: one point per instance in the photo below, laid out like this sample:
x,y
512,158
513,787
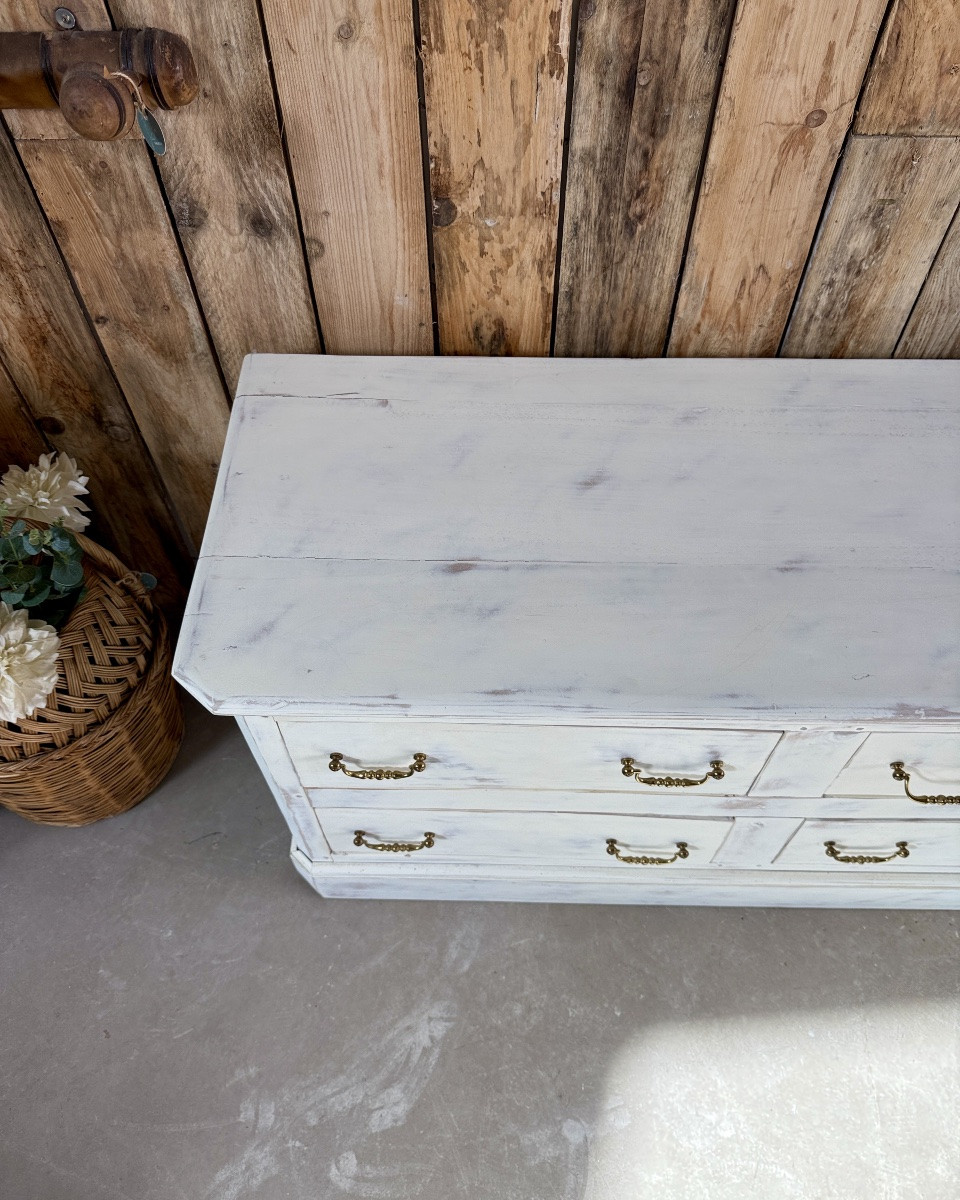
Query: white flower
x,y
47,492
28,663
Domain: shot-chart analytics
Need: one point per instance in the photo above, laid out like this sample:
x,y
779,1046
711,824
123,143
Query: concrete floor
x,y
183,1019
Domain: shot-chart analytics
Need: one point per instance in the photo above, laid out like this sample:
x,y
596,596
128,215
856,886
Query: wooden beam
x,y
892,204
59,369
21,442
348,90
647,72
914,83
495,80
109,218
226,180
933,330
791,80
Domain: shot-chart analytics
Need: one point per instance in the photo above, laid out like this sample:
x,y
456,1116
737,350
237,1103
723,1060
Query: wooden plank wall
x,y
577,177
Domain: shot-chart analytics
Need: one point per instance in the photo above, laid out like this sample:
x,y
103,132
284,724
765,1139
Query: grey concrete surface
x,y
183,1019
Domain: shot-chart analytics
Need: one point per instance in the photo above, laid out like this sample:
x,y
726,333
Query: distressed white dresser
x,y
656,631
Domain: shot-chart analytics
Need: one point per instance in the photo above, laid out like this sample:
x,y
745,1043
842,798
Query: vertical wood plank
x,y
892,204
646,75
914,83
21,442
933,330
791,80
56,364
226,180
348,91
109,218
495,78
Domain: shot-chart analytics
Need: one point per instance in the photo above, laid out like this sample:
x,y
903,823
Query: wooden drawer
x,y
579,839
930,845
554,757
932,760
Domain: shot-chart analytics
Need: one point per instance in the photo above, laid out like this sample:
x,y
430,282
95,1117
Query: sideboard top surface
x,y
767,540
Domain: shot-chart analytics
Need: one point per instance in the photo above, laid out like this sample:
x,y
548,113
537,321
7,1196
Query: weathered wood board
x,y
647,72
892,204
57,365
933,330
138,292
21,442
495,81
348,88
227,184
914,83
789,87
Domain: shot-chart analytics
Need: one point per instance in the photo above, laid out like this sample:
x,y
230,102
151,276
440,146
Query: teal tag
x,y
152,133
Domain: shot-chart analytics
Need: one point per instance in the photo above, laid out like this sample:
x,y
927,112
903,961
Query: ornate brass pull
x,y
646,860
900,852
360,839
901,776
716,772
419,764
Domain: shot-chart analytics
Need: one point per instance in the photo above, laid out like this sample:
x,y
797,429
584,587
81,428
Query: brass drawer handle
x,y
901,776
716,772
646,860
419,764
360,839
900,852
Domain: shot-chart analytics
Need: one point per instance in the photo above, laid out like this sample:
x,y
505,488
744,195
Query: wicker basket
x,y
113,725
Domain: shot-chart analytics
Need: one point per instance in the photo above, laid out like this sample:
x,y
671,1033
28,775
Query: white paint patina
x,y
528,569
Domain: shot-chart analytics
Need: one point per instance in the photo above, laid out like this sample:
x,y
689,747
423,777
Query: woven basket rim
x,y
99,561
158,666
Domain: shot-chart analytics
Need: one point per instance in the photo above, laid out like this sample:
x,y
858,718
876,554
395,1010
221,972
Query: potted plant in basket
x,y
89,717
41,577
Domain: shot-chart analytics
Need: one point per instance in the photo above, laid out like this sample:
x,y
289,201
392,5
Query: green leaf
x,y
11,549
22,575
37,597
61,541
17,528
12,598
66,573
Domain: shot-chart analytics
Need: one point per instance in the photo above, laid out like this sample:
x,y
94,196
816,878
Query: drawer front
x,y
930,846
554,757
932,761
580,839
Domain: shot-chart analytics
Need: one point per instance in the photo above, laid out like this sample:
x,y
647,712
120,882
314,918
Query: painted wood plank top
x,y
647,72
348,88
59,369
495,84
933,330
892,205
914,83
510,538
139,295
227,184
790,83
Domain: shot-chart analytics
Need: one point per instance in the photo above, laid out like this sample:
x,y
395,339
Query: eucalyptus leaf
x,y
36,598
66,573
12,598
149,581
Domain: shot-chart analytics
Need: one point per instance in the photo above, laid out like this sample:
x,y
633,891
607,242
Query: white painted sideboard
x,y
648,631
